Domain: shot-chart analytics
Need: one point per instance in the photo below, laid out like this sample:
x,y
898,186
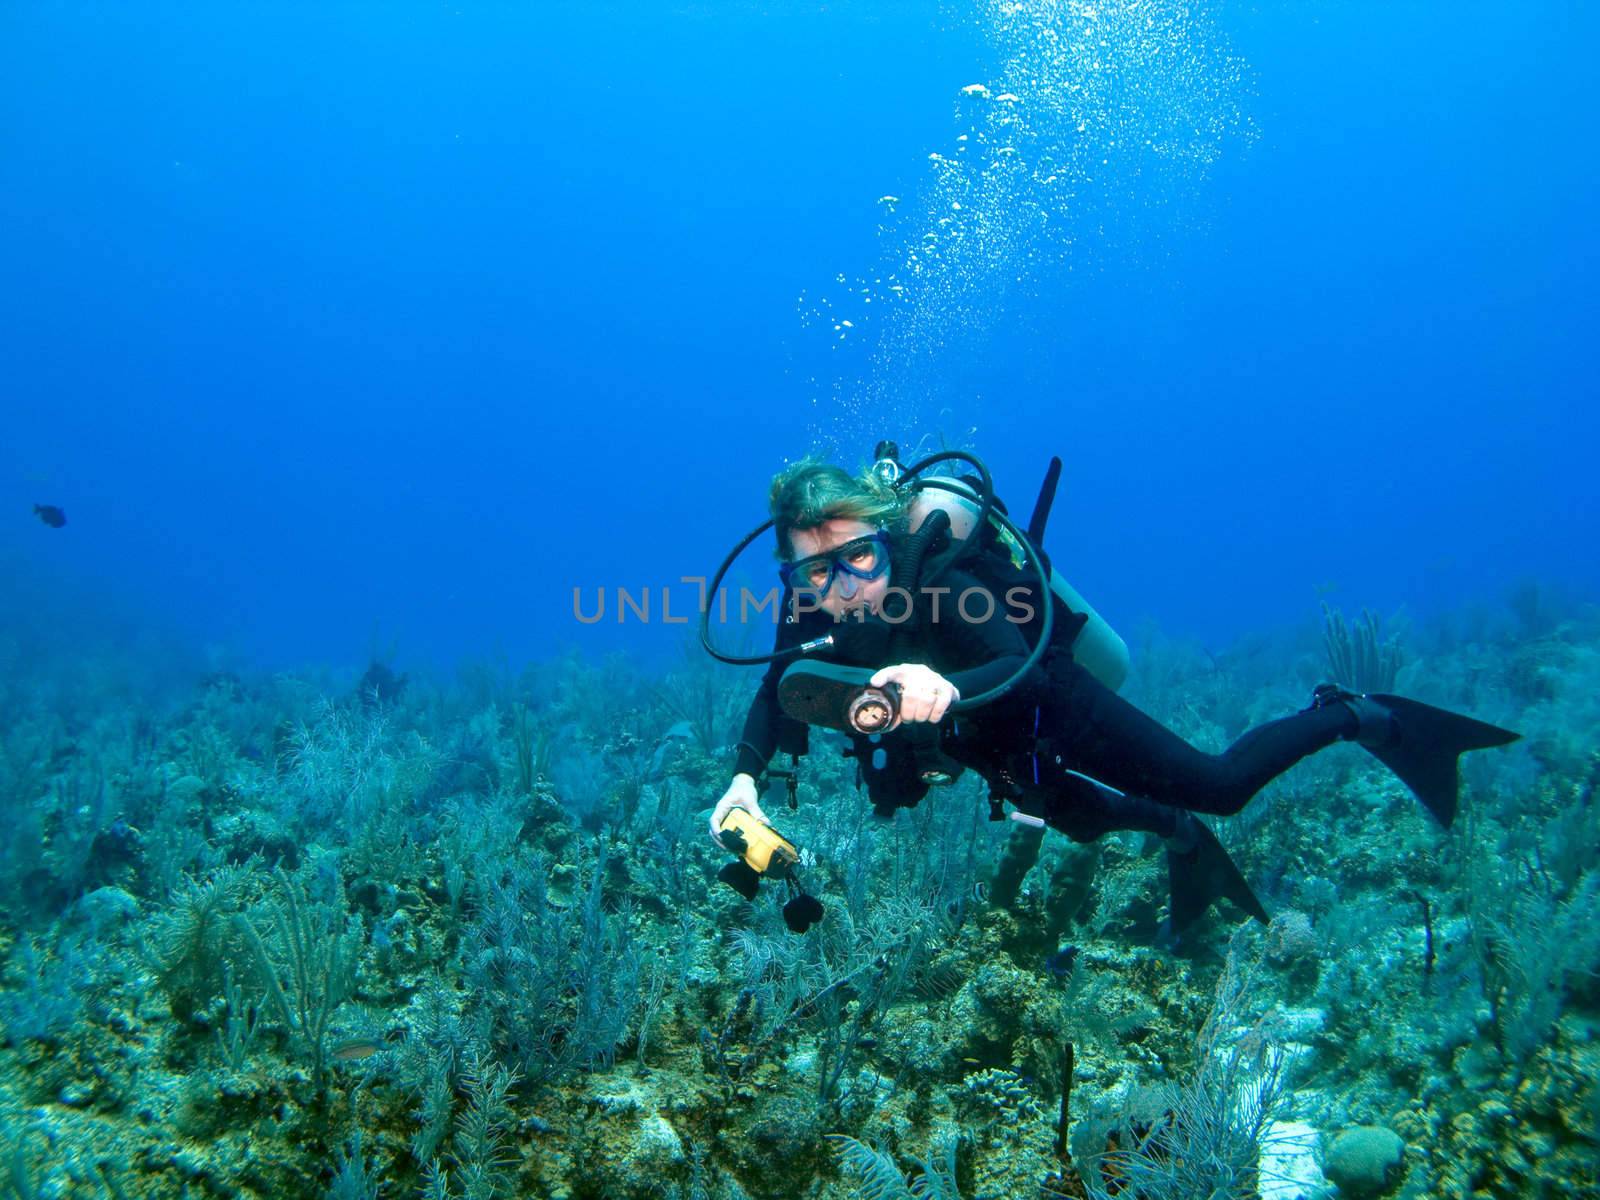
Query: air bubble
x,y
1093,104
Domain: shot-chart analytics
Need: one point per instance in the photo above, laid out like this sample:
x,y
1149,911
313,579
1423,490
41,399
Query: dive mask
x,y
864,558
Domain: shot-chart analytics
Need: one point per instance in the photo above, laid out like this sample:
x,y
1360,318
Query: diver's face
x,y
848,592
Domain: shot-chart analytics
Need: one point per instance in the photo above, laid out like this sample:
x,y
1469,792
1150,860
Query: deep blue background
x,y
321,320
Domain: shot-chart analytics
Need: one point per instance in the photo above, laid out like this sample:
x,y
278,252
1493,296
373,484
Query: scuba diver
x,y
921,621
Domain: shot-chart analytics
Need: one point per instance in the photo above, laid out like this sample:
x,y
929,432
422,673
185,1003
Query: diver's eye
x,y
816,573
862,556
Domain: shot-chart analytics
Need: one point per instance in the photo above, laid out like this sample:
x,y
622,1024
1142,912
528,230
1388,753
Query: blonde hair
x,y
811,492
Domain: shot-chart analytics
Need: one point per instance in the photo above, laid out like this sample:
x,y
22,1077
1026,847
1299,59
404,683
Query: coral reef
x,y
405,936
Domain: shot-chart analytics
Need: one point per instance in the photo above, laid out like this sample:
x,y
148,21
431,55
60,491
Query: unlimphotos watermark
x,y
972,605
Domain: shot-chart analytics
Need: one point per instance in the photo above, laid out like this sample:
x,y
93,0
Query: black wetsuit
x,y
1029,743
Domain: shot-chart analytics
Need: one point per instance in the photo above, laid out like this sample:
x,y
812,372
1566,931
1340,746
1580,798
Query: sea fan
x,y
880,1179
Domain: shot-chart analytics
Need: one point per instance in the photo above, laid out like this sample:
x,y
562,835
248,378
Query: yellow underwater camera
x,y
764,852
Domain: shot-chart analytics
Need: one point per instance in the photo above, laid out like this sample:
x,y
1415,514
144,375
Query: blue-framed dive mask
x,y
863,558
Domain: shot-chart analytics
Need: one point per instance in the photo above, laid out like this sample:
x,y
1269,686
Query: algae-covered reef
x,y
299,936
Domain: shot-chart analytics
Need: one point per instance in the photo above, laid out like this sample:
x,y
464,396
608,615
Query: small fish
x,y
356,1049
1061,961
50,514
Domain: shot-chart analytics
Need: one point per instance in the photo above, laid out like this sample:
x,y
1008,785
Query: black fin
x,y
741,877
820,693
1425,747
1202,876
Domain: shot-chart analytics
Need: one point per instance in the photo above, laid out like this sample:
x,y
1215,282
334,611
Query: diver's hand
x,y
925,695
741,793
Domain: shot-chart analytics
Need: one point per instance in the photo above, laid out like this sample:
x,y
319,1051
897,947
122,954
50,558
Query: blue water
x,y
346,324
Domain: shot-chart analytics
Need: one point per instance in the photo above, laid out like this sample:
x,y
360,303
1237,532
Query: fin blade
x,y
1426,749
1204,875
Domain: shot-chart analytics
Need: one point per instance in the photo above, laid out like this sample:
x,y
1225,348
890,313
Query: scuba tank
x,y
1094,644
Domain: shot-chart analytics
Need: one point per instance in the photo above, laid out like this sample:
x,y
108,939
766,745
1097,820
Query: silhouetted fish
x,y
50,515
1061,962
